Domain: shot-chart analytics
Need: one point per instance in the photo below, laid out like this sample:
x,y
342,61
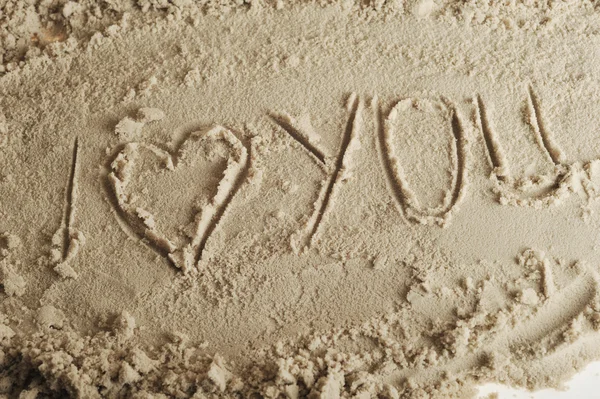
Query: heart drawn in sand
x,y
175,201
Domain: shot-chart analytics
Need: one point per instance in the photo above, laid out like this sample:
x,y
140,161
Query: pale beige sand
x,y
388,199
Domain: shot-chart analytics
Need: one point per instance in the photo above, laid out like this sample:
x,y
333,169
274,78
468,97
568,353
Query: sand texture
x,y
387,199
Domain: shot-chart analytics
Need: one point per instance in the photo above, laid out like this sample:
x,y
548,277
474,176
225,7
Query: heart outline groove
x,y
184,257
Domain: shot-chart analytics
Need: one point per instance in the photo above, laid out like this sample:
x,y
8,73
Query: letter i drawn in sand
x,y
67,240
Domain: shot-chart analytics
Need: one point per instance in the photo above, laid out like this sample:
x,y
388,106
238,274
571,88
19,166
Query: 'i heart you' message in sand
x,y
199,180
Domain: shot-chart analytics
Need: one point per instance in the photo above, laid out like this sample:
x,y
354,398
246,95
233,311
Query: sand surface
x,y
348,199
